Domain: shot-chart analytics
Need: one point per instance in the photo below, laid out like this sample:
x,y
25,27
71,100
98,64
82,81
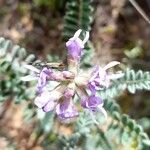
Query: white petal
x,y
70,41
98,80
115,76
38,103
86,104
28,78
80,42
32,68
102,72
111,64
93,75
77,33
102,110
86,38
93,118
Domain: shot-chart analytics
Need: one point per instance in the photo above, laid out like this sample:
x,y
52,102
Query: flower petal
x,y
66,110
29,78
92,102
42,81
42,99
49,106
86,38
77,33
102,110
111,64
32,68
116,76
45,97
75,45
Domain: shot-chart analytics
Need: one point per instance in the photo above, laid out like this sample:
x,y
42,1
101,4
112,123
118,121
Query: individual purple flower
x,y
94,103
66,110
100,78
42,81
75,45
91,102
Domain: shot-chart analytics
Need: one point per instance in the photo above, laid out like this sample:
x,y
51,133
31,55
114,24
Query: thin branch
x,y
139,9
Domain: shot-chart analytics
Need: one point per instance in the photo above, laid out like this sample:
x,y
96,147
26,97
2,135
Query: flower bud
x,y
75,45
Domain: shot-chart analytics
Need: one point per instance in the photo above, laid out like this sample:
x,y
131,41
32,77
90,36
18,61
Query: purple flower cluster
x,y
60,99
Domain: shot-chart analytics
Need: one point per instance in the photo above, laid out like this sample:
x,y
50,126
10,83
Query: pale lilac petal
x,y
42,99
49,106
66,110
46,96
42,81
100,78
93,76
